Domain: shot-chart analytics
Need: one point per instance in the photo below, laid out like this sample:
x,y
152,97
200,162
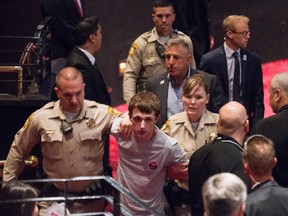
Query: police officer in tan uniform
x,y
71,133
146,55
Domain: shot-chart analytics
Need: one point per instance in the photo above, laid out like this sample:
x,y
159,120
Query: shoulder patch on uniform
x,y
28,121
166,126
211,137
133,49
113,111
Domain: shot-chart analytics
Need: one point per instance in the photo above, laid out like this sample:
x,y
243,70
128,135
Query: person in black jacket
x,y
88,39
168,85
224,154
275,127
222,62
64,15
267,198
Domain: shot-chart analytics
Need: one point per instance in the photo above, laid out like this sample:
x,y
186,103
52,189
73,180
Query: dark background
x,y
124,20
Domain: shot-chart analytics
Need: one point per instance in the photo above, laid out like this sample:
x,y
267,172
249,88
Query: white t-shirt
x,y
142,169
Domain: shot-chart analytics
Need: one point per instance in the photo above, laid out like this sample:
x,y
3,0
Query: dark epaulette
x,y
146,35
175,31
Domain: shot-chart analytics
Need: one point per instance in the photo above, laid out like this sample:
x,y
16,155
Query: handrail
x,y
118,208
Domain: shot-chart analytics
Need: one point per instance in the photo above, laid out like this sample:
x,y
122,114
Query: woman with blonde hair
x,y
191,128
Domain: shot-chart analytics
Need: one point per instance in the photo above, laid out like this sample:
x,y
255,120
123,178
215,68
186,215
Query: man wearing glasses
x,y
238,69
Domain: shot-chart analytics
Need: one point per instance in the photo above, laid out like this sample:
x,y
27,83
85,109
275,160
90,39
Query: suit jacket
x,y
159,86
215,63
224,154
95,88
275,128
267,199
64,14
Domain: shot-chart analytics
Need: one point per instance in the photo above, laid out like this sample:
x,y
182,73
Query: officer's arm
x,y
21,147
132,71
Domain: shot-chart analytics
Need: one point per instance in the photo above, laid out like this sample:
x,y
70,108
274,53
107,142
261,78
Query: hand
x,y
125,127
178,171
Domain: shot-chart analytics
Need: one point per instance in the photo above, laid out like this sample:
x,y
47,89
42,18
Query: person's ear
x,y
274,162
207,99
56,90
157,118
229,34
173,17
246,167
277,94
153,17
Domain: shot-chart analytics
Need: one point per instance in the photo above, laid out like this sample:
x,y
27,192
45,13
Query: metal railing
x,y
113,198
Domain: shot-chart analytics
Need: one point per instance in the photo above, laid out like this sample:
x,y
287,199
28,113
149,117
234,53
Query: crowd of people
x,y
194,140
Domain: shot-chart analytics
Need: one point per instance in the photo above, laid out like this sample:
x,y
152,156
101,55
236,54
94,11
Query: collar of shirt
x,y
231,140
283,109
88,54
154,35
229,51
171,80
259,184
58,113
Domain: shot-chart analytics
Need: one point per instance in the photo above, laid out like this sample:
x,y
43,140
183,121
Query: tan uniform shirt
x,y
78,153
179,127
144,62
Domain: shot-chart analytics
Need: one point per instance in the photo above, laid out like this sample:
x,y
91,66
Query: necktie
x,y
236,81
79,7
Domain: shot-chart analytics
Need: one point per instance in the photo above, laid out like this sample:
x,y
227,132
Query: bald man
x,y
223,154
70,132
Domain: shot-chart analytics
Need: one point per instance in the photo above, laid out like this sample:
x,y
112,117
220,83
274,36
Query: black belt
x,y
97,188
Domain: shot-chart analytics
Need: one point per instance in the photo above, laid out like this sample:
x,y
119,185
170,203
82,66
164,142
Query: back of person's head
x,y
259,155
162,3
146,102
15,190
229,23
195,81
279,91
83,29
232,118
224,194
280,81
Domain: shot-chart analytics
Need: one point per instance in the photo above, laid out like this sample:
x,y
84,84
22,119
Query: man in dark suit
x,y
193,18
247,87
275,127
224,154
88,39
168,86
64,14
267,197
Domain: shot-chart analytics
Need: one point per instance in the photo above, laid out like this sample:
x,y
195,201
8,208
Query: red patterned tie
x,y
79,7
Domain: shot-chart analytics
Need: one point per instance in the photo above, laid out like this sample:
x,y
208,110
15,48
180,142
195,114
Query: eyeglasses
x,y
244,33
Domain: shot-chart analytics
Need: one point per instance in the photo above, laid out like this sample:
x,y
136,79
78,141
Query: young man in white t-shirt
x,y
144,159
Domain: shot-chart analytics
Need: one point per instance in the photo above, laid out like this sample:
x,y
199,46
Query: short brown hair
x,y
146,102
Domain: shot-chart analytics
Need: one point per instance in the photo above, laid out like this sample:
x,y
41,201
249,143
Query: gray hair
x,y
223,194
280,81
178,42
